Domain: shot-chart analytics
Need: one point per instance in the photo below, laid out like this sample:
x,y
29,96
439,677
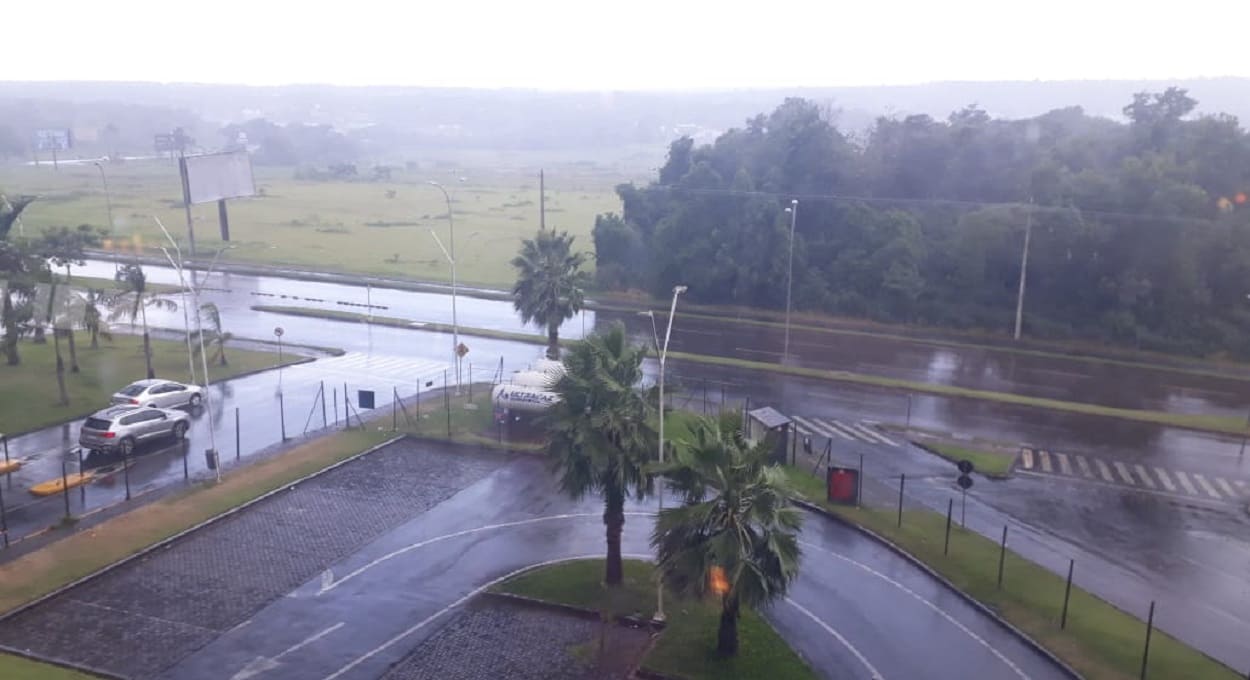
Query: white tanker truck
x,y
529,391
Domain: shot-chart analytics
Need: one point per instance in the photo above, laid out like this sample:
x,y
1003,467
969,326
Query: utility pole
x,y
542,202
186,198
794,216
1024,267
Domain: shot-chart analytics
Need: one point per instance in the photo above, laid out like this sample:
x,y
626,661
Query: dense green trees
x,y
1140,230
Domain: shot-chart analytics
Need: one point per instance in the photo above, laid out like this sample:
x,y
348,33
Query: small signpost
x,y
965,483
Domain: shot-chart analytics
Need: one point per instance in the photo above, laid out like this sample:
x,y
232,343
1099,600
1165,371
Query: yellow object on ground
x,y
10,466
55,486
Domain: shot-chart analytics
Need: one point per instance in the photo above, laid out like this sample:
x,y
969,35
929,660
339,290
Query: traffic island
x,y
686,647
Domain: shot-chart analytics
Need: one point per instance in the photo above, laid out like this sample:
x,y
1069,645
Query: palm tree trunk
x,y
95,337
727,634
60,369
614,519
73,351
147,342
10,329
553,341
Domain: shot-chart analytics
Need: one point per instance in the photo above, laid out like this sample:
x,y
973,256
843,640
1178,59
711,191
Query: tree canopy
x,y
1140,229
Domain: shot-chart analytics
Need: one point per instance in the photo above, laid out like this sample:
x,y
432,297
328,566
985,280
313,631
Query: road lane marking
x,y
1122,470
1064,465
872,670
1145,476
472,594
817,427
1044,458
798,427
1206,486
844,430
941,612
1026,456
332,584
1084,465
1225,487
262,664
1103,470
1189,488
875,434
1163,477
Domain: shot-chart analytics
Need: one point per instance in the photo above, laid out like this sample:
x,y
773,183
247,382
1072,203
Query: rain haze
x,y
645,45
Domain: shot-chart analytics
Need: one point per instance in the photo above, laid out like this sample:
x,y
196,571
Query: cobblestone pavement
x,y
496,638
139,619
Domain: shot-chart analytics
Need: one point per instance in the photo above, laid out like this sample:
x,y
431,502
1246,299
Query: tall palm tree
x,y
133,302
92,319
736,535
549,286
215,338
601,436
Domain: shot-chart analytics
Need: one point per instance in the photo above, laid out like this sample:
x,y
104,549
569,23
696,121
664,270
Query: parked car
x,y
159,393
122,428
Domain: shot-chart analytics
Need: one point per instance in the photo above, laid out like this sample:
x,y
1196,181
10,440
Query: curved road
x,y
856,611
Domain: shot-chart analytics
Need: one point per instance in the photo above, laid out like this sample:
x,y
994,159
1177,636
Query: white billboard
x,y
59,139
217,176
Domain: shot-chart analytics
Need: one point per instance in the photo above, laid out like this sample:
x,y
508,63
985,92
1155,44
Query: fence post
x,y
1150,624
909,409
65,488
447,403
1067,593
282,414
470,381
859,484
347,416
324,423
1002,556
394,409
126,474
950,505
902,479
963,509
81,487
186,473
238,437
4,519
336,406
419,401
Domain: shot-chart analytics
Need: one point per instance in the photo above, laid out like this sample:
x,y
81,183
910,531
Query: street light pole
x,y
450,253
662,351
794,216
108,199
1024,269
195,300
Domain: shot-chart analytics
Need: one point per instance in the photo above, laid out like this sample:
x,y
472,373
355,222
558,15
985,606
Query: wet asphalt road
x,y
369,610
1138,442
1216,391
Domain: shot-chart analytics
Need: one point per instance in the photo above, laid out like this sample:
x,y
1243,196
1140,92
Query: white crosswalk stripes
x,y
399,370
831,429
1149,479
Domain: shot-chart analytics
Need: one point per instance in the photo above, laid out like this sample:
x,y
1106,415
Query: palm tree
x,y
132,305
214,337
93,320
56,343
549,284
736,534
601,435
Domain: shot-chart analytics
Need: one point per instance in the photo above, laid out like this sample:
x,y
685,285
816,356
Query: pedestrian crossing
x,y
1198,485
355,366
829,428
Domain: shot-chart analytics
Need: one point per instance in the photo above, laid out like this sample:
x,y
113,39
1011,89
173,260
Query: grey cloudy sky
x,y
642,44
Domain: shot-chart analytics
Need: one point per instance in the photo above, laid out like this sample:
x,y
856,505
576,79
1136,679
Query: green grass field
x,y
687,647
28,391
1100,641
988,463
357,226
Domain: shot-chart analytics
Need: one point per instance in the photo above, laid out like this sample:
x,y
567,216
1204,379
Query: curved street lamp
x,y
450,254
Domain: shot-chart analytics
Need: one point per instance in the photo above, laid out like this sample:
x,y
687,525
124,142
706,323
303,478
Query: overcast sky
x,y
641,44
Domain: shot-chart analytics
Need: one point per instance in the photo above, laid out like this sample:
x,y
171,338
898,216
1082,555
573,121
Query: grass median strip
x,y
20,668
29,393
1208,423
687,646
988,463
1100,641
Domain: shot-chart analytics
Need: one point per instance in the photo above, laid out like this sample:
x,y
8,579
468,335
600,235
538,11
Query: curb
x,y
897,549
70,665
180,535
580,612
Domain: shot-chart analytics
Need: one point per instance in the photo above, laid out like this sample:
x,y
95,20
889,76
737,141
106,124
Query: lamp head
x,y
678,290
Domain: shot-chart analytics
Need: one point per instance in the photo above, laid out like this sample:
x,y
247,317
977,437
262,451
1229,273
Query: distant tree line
x,y
1140,230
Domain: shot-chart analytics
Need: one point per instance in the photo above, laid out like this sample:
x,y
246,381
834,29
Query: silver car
x,y
122,428
159,393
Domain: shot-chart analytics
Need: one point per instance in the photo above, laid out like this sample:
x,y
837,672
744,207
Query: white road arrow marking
x,y
263,664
